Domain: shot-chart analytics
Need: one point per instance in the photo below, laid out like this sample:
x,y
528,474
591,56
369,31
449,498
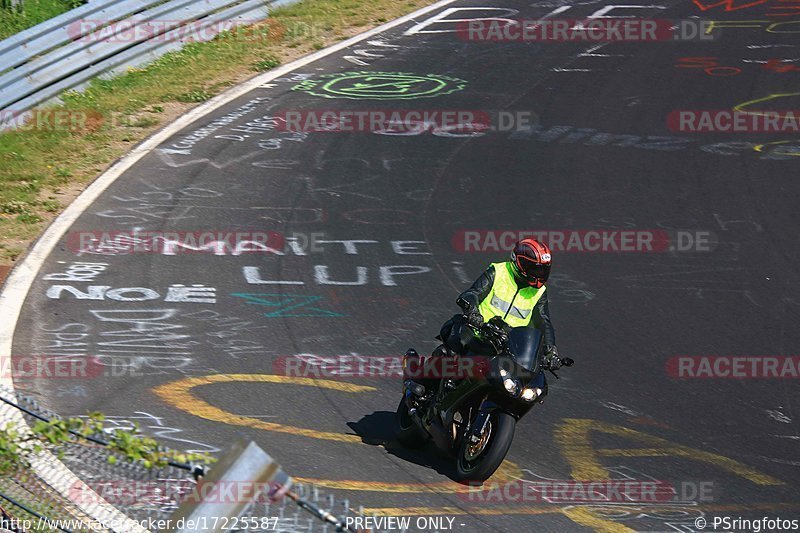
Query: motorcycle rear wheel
x,y
408,433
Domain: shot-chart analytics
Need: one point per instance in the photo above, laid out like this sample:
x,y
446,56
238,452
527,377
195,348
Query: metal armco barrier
x,y
244,463
68,51
241,486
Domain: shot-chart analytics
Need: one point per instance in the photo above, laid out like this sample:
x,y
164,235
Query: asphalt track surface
x,y
205,371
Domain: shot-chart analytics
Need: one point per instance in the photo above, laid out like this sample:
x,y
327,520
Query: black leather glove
x,y
474,318
465,305
551,359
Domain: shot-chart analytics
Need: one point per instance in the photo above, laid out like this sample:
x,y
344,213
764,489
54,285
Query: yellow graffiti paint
x,y
178,394
760,148
574,438
742,107
586,516
712,25
507,472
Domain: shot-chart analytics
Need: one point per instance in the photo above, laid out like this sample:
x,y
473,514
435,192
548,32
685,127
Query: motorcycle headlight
x,y
531,394
510,385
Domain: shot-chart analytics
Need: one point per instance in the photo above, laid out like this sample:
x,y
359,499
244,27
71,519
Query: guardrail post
x,y
236,481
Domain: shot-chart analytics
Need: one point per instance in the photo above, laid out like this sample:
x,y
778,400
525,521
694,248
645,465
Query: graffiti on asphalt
x,y
285,305
381,85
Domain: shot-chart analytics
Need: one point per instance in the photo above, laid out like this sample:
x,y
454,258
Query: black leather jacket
x,y
541,313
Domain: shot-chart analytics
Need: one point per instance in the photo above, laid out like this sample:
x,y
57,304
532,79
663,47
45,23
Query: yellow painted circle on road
x,y
179,394
507,472
745,107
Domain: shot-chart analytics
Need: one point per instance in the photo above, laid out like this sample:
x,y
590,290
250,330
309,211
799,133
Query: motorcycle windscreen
x,y
524,344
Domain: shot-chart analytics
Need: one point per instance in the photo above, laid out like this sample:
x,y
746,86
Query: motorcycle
x,y
473,417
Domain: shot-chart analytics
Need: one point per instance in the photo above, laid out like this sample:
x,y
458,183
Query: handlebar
x,y
495,330
559,362
564,361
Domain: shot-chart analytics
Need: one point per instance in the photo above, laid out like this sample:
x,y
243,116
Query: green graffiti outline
x,y
325,87
284,303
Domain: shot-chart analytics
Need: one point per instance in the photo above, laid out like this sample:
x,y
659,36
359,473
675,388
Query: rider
x,y
513,290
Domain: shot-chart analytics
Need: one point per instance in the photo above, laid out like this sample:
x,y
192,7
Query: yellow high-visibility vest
x,y
513,305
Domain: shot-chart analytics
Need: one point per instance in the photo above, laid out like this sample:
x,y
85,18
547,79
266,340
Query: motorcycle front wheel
x,y
478,461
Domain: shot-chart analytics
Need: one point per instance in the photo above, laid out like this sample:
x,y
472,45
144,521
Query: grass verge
x,y
30,13
42,169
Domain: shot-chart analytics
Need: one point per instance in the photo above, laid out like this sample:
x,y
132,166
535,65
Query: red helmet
x,y
532,260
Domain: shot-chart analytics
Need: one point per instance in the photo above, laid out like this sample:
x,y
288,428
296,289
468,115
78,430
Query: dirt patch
x,y
4,270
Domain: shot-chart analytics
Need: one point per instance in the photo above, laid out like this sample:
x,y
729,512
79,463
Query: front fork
x,y
478,425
